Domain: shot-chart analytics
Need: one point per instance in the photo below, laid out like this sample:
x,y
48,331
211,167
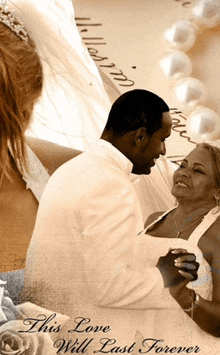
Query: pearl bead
x,y
203,124
206,12
176,65
182,35
190,92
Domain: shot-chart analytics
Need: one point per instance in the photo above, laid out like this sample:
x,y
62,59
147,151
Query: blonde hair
x,y
21,81
214,152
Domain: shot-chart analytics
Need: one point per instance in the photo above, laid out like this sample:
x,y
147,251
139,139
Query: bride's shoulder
x,y
51,155
210,245
214,229
212,235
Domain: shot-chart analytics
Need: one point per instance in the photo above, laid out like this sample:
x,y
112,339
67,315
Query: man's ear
x,y
141,136
217,195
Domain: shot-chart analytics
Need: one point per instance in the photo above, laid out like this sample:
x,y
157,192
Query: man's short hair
x,y
135,109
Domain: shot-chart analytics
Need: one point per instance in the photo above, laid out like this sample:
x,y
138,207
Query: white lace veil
x,y
74,105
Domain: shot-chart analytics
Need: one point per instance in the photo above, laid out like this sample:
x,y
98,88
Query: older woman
x,y
191,317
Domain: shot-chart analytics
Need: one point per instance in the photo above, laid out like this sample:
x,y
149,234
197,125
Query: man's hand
x,y
177,266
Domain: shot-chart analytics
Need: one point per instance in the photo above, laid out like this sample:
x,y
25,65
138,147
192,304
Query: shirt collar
x,y
124,163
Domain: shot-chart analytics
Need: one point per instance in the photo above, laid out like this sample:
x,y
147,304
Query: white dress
x,y
166,320
38,177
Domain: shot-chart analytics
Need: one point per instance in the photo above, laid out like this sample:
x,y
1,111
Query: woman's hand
x,y
178,266
182,294
187,264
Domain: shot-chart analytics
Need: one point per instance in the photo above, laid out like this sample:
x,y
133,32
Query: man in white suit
x,y
86,258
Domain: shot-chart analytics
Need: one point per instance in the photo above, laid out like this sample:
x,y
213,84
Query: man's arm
x,y
116,258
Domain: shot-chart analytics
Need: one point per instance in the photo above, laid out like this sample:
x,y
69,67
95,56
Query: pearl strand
x,y
202,122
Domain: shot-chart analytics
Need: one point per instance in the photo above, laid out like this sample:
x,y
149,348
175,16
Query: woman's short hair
x,y
135,109
214,152
21,81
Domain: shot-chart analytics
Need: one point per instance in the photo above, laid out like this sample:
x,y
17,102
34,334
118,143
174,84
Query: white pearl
x,y
203,124
182,35
206,12
176,65
190,92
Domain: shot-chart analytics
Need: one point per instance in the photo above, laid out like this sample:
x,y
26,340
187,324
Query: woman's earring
x,y
217,208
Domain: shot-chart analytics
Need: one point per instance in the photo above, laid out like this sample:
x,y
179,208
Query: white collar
x,y
110,151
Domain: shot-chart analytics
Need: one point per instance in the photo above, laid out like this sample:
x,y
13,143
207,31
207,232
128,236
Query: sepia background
x,y
125,38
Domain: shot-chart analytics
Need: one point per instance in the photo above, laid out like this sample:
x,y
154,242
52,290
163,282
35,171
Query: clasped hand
x,y
177,266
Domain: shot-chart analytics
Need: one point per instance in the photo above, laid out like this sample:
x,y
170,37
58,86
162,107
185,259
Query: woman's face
x,y
194,180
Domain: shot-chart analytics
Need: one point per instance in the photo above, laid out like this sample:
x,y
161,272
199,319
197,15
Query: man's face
x,y
150,148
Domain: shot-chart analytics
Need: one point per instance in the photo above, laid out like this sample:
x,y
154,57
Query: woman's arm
x,y
205,313
51,155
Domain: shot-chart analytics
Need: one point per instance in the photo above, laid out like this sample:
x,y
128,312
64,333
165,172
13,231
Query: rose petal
x,y
11,343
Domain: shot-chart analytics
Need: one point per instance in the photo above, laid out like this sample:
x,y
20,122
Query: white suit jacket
x,y
86,258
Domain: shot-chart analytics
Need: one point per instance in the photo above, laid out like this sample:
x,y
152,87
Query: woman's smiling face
x,y
194,180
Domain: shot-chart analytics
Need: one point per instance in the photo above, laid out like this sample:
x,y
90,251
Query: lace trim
x,y
38,177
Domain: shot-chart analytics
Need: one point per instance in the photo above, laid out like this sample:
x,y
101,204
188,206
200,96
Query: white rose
x,y
8,311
